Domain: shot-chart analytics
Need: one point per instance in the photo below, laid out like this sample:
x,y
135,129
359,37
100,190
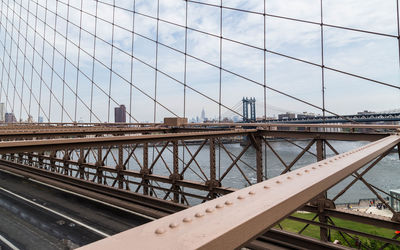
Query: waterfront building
x,y
2,112
10,118
120,114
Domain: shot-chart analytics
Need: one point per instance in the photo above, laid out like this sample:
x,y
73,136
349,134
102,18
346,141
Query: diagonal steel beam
x,y
235,161
289,141
275,153
376,193
289,167
346,230
331,147
362,174
193,157
234,219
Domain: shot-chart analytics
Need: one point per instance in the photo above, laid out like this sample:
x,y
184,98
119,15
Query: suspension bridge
x,y
72,176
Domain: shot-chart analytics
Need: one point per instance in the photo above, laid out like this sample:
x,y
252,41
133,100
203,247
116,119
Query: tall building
x,y
2,112
203,115
30,119
120,114
9,118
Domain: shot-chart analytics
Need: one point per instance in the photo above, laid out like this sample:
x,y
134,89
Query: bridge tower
x,y
245,101
252,102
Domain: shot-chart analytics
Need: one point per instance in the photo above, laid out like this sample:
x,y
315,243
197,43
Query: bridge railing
x,y
169,172
233,220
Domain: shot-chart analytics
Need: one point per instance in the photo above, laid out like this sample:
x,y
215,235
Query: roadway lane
x,y
35,216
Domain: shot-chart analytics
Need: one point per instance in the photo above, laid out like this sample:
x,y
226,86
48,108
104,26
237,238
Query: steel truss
x,y
145,170
234,219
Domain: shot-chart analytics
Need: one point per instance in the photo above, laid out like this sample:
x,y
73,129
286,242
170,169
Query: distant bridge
x,y
376,117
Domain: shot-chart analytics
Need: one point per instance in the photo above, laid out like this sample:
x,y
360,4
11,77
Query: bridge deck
x,y
35,216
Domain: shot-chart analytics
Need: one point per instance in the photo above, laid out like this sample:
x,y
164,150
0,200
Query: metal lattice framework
x,y
70,60
74,60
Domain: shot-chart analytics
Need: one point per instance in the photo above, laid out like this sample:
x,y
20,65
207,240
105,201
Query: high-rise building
x,y
203,115
30,119
9,118
40,119
120,114
2,112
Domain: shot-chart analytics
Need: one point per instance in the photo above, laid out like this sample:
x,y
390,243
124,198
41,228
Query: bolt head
x,y
160,231
228,203
173,225
187,219
219,206
209,210
199,215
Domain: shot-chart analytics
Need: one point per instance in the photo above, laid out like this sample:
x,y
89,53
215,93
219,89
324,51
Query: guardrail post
x,y
66,158
30,159
175,175
81,160
12,157
259,158
40,160
53,155
120,164
20,158
320,149
322,198
99,164
213,174
145,169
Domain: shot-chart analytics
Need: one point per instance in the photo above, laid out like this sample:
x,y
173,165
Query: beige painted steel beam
x,y
78,130
339,136
54,144
299,125
71,143
234,219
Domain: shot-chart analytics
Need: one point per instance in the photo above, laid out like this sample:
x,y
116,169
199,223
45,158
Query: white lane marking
x,y
57,213
11,173
95,200
83,196
8,243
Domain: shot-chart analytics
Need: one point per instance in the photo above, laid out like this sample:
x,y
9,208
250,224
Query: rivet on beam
x,y
173,225
240,197
228,203
199,215
187,219
219,206
209,210
160,231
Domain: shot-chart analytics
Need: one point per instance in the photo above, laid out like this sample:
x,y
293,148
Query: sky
x,y
75,75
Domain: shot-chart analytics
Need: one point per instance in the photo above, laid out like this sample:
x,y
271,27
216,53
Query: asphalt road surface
x,y
36,216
